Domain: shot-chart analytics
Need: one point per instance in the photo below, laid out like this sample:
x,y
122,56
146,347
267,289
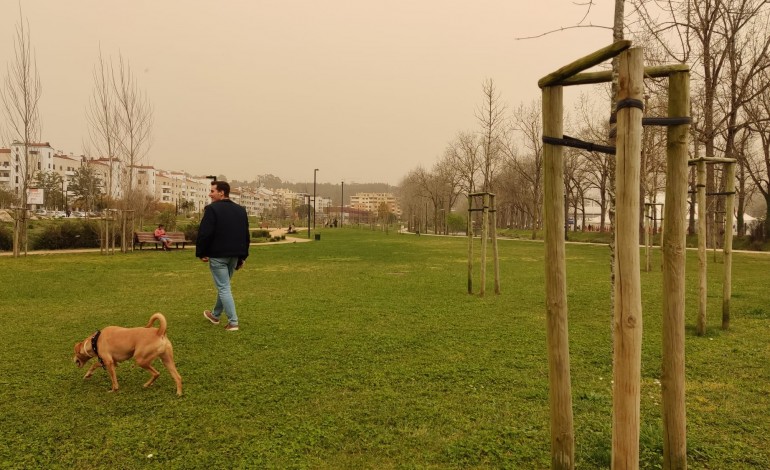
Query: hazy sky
x,y
363,90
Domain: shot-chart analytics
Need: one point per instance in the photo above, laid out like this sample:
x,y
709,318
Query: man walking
x,y
223,242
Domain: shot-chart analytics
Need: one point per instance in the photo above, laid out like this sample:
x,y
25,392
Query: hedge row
x,y
80,233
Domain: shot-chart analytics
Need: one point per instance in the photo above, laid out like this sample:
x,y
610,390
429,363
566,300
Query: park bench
x,y
148,238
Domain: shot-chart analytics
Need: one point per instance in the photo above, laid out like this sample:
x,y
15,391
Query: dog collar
x,y
95,349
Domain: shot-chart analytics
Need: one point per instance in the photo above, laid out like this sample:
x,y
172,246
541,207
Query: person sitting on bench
x,y
160,235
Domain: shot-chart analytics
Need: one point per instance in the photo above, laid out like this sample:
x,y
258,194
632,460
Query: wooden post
x,y
728,244
470,244
560,395
675,230
647,228
628,300
700,328
661,227
17,231
484,225
495,257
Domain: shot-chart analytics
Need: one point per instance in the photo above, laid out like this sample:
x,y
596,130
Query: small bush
x,y
260,233
6,238
69,234
168,219
191,231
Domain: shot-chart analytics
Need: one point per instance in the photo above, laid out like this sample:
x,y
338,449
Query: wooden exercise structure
x,y
107,232
20,230
487,207
627,321
111,220
700,165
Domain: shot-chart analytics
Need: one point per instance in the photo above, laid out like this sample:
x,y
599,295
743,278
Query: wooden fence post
x,y
560,395
700,329
495,252
627,325
728,245
470,244
675,230
484,235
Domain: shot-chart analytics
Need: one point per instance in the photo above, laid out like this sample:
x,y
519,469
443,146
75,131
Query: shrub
x,y
168,218
6,238
260,233
68,234
191,230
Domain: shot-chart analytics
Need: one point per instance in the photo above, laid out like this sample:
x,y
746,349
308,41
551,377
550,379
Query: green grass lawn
x,y
362,350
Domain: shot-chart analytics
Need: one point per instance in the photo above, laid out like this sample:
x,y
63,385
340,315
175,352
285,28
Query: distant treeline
x,y
330,190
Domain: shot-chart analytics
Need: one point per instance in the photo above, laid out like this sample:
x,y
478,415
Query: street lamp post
x,y
566,213
314,203
342,204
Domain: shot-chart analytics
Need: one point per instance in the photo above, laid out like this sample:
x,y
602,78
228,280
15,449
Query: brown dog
x,y
114,344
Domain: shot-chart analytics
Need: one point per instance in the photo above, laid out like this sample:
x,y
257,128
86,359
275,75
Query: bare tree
x,y
411,199
134,123
491,117
450,182
653,163
464,154
103,120
758,165
513,198
527,124
20,97
727,42
133,131
744,184
440,187
595,168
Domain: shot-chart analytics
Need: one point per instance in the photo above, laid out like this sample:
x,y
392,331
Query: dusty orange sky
x,y
363,90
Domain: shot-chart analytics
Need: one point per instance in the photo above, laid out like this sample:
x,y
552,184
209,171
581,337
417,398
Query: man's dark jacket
x,y
224,231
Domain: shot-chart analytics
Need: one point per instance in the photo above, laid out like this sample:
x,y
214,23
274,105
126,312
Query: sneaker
x,y
210,317
231,327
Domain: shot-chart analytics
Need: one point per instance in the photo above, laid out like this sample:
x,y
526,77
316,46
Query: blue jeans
x,y
222,270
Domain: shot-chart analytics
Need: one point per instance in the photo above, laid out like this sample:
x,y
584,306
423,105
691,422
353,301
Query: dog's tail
x,y
161,319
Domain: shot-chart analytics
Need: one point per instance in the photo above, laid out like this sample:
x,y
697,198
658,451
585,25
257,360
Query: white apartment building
x,y
40,158
266,201
108,171
5,168
289,199
371,202
66,166
322,204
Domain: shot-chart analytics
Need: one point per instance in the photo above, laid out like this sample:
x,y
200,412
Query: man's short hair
x,y
223,186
